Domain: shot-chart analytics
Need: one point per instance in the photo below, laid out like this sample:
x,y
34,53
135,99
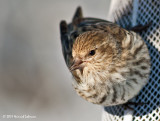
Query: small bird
x,y
110,64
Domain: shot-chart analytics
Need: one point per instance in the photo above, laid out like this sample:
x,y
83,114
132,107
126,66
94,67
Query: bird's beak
x,y
77,64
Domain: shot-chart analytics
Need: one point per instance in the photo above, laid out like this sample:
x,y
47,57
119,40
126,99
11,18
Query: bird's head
x,y
93,50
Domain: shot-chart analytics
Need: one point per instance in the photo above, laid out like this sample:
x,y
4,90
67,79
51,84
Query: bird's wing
x,y
68,35
79,25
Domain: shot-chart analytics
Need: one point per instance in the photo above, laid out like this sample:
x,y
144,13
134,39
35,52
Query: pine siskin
x,y
110,65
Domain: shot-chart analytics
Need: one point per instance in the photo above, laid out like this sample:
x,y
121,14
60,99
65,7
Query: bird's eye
x,y
92,52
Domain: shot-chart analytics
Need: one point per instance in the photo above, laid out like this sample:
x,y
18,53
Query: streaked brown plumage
x,y
110,64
